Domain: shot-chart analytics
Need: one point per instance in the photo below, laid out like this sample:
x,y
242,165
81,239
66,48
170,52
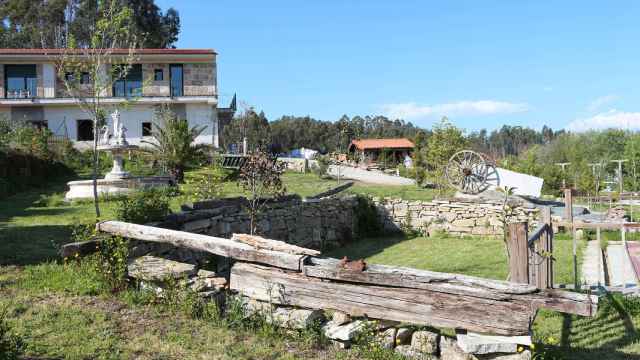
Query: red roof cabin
x,y
383,152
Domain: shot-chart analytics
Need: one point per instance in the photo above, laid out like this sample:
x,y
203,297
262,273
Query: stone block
x,y
486,344
449,350
525,355
297,318
465,222
345,332
410,353
197,225
151,268
425,341
340,318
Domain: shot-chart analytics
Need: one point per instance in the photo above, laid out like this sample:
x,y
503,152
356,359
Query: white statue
x,y
118,129
105,135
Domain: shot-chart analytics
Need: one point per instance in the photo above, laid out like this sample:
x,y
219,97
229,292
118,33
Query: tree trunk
x,y
95,167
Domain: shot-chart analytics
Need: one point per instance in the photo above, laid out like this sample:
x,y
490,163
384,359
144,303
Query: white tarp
x,y
524,184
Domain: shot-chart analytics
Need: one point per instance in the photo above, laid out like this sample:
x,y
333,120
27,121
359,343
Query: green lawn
x,y
483,257
63,311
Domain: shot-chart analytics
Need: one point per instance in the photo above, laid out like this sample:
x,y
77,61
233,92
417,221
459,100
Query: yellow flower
x,y
520,349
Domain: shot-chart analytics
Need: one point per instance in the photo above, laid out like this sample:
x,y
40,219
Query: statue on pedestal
x,y
118,129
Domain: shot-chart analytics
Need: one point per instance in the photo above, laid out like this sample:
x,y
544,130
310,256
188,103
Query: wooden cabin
x,y
379,151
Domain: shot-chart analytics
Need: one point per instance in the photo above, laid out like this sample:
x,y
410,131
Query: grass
x,y
66,311
483,257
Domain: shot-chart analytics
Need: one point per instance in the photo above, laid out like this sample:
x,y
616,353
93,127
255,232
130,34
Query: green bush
x,y
367,220
323,166
11,346
144,206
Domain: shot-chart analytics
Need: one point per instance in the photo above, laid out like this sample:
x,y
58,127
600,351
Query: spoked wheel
x,y
468,171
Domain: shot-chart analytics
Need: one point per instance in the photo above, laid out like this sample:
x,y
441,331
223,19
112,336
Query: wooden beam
x,y
210,244
416,306
328,268
407,278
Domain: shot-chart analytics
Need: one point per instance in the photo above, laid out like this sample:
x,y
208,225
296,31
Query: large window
x,y
129,85
176,80
21,81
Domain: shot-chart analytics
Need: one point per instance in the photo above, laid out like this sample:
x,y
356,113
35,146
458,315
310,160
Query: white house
x,y
31,92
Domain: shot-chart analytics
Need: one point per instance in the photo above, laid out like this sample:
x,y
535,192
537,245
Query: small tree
x,y
87,72
445,140
505,218
261,177
173,141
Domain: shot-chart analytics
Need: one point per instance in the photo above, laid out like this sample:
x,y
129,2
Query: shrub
x,y
11,346
367,220
113,252
144,206
323,166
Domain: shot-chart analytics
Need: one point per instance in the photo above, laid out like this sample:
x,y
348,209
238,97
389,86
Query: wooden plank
x,y
416,306
259,242
518,253
214,245
328,268
537,233
406,278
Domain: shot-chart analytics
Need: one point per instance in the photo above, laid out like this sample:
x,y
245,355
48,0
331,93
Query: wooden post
x,y
518,253
568,214
547,246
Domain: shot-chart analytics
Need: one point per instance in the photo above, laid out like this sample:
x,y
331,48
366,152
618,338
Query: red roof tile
x,y
365,144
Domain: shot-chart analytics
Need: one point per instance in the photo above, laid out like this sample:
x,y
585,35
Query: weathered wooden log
x,y
416,306
329,268
275,245
214,245
399,277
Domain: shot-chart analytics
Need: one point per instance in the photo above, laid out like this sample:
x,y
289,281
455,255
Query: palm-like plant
x,y
173,141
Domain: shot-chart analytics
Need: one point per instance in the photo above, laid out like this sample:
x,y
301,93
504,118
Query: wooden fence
x,y
530,256
283,274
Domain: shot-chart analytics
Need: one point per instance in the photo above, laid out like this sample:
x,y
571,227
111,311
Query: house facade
x,y
31,92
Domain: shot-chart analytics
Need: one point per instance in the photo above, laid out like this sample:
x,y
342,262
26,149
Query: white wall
x,y
133,117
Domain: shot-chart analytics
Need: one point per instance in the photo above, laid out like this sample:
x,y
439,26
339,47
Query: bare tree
x,y
89,73
261,177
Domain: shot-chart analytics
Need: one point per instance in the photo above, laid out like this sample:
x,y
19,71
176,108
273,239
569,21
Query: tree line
x,y
53,23
530,151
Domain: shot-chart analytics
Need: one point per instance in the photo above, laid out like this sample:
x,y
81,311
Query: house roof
x,y
366,144
113,51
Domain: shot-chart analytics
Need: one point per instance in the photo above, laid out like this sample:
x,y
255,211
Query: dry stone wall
x,y
313,223
451,216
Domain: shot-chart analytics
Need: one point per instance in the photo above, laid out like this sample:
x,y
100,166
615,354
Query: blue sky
x,y
568,64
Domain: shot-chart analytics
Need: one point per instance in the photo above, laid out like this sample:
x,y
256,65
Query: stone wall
x,y
452,216
199,80
313,223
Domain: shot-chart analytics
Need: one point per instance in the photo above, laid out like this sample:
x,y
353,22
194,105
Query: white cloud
x,y
607,120
601,101
412,110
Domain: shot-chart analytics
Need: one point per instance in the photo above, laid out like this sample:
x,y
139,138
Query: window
x,y
158,75
85,78
21,81
176,80
68,77
146,129
85,130
129,85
